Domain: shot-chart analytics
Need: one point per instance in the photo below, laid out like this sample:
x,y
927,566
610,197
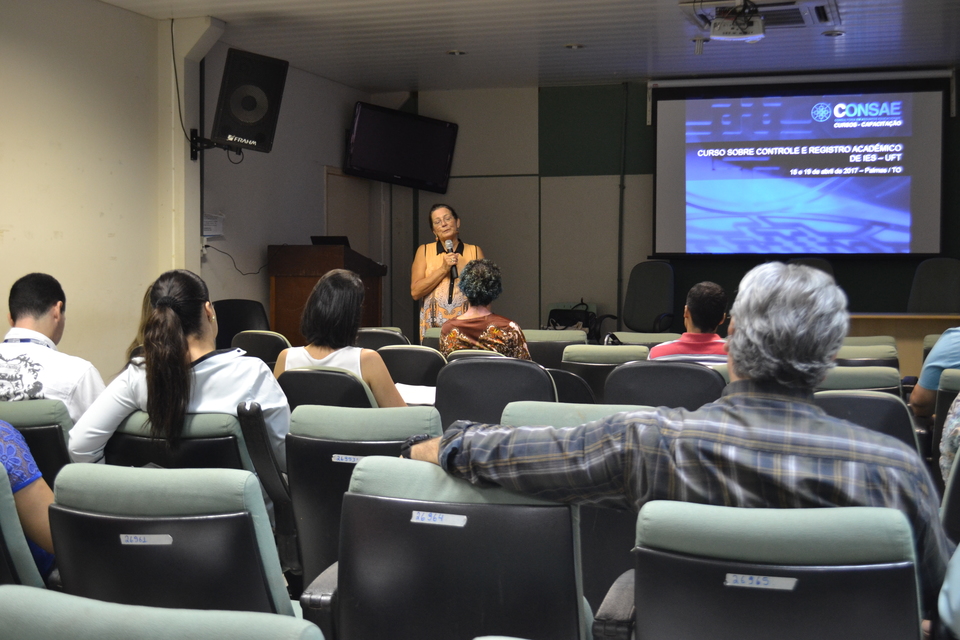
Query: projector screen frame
x,y
941,81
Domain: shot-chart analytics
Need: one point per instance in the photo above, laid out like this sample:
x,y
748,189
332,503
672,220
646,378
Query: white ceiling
x,y
401,45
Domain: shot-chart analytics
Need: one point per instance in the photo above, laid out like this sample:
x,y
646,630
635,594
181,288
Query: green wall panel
x,y
580,130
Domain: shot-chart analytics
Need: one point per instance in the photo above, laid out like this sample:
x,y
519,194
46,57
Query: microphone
x,y
448,245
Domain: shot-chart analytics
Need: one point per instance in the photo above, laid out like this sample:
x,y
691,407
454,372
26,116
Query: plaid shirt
x,y
761,445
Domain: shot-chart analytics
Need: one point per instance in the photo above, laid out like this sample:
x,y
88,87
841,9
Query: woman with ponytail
x,y
181,372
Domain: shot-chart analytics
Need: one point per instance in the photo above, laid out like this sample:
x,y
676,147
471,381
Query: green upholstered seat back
x,y
352,424
829,536
559,414
881,354
195,425
876,378
38,614
605,354
854,341
560,335
36,413
131,491
381,476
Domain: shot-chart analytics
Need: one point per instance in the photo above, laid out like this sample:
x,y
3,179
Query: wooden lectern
x,y
295,269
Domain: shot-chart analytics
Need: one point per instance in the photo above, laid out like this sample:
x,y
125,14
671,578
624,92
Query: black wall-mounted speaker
x,y
249,102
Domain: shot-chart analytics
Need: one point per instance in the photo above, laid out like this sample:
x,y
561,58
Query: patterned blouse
x,y
446,301
950,442
21,472
491,332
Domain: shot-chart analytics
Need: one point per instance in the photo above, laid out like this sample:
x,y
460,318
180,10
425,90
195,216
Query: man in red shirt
x,y
704,312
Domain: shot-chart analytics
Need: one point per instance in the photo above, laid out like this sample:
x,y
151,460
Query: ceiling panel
x,y
401,45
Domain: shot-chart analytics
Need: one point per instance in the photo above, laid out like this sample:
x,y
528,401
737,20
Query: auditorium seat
x,y
791,574
936,287
663,384
648,301
235,315
594,363
376,337
44,425
412,364
929,341
874,410
36,613
325,385
207,440
571,387
861,341
886,379
950,505
873,355
459,354
180,538
265,345
479,388
431,338
428,556
324,445
546,346
606,535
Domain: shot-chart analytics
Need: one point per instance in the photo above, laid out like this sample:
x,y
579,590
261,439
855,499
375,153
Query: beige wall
x,y
278,197
78,163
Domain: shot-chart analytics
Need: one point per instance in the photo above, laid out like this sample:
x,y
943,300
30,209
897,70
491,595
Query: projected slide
x,y
799,174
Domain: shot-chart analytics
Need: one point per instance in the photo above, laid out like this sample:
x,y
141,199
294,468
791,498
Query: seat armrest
x,y
319,601
274,483
614,619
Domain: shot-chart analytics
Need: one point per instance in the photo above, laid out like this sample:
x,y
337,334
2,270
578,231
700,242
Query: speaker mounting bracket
x,y
198,144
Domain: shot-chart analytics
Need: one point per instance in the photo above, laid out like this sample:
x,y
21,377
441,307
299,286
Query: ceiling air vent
x,y
776,13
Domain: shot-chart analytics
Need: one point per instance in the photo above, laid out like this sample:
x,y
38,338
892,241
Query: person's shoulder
x,y
7,430
234,359
663,348
504,321
368,356
450,325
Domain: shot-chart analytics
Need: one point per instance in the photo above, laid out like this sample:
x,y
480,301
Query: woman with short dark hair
x,y
330,322
479,327
181,372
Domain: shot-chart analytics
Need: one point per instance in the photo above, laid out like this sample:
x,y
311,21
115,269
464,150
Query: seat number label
x,y
760,582
447,519
342,457
146,539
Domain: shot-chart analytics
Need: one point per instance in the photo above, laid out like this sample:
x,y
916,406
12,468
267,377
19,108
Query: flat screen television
x,y
400,148
833,168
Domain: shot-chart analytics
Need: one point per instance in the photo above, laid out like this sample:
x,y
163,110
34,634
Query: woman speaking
x,y
436,269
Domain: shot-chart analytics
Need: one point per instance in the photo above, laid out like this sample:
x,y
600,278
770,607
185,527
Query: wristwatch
x,y
412,440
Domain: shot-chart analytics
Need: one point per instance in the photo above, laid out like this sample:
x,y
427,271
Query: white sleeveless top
x,y
346,358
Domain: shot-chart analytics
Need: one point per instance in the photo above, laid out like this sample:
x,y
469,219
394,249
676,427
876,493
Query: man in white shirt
x,y
30,365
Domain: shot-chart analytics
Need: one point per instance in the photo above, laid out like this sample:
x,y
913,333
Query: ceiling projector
x,y
741,29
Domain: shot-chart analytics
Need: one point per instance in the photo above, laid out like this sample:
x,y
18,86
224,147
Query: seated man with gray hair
x,y
764,444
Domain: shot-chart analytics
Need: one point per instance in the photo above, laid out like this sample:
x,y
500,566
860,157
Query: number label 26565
x,y
760,582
